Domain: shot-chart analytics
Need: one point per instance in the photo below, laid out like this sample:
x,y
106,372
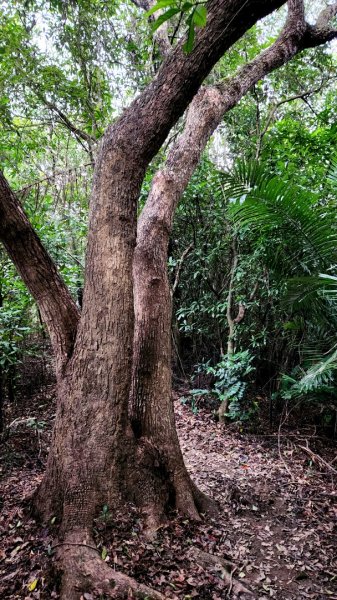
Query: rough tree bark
x,y
94,392
95,456
58,310
153,311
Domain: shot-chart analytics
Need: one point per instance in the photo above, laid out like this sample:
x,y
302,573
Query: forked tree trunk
x,y
91,419
95,458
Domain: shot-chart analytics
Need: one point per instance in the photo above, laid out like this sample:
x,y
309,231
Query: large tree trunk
x,y
151,395
93,453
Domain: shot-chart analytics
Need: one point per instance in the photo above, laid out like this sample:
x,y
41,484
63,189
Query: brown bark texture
x,y
58,310
93,403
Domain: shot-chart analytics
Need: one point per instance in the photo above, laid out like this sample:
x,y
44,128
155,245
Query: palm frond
x,y
316,294
332,175
268,206
319,375
244,177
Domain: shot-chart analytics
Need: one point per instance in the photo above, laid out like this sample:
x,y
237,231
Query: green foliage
x,y
302,230
192,14
17,322
36,425
105,513
231,381
12,333
268,206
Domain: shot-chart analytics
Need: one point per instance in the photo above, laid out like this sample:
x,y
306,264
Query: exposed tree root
x,y
225,567
83,570
204,503
161,482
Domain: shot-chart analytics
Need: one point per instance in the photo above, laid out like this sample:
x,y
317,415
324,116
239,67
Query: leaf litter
x,y
275,534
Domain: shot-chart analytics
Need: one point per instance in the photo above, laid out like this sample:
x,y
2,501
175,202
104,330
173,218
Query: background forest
x,y
252,253
114,482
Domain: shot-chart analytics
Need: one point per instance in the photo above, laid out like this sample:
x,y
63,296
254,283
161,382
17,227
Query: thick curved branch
x,y
39,273
208,108
148,119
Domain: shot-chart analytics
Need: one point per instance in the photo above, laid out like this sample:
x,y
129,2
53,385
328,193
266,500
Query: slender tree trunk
x,y
151,389
152,413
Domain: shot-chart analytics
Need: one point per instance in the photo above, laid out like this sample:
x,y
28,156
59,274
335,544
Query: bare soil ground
x,y
275,534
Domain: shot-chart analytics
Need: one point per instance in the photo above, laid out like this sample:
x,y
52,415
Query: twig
x,y
181,260
75,544
316,457
231,581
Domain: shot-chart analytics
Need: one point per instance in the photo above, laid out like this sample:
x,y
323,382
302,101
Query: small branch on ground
x,y
317,459
223,566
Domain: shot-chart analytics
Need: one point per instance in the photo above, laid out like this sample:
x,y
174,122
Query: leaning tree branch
x,y
38,271
205,113
209,106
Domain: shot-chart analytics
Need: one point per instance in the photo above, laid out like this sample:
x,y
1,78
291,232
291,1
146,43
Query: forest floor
x,y
275,535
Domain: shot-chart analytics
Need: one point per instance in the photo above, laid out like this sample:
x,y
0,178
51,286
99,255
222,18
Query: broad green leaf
x,y
188,46
200,16
186,6
158,6
169,13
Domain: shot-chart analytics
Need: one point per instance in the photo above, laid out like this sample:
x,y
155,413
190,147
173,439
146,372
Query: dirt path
x,y
279,508
277,522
